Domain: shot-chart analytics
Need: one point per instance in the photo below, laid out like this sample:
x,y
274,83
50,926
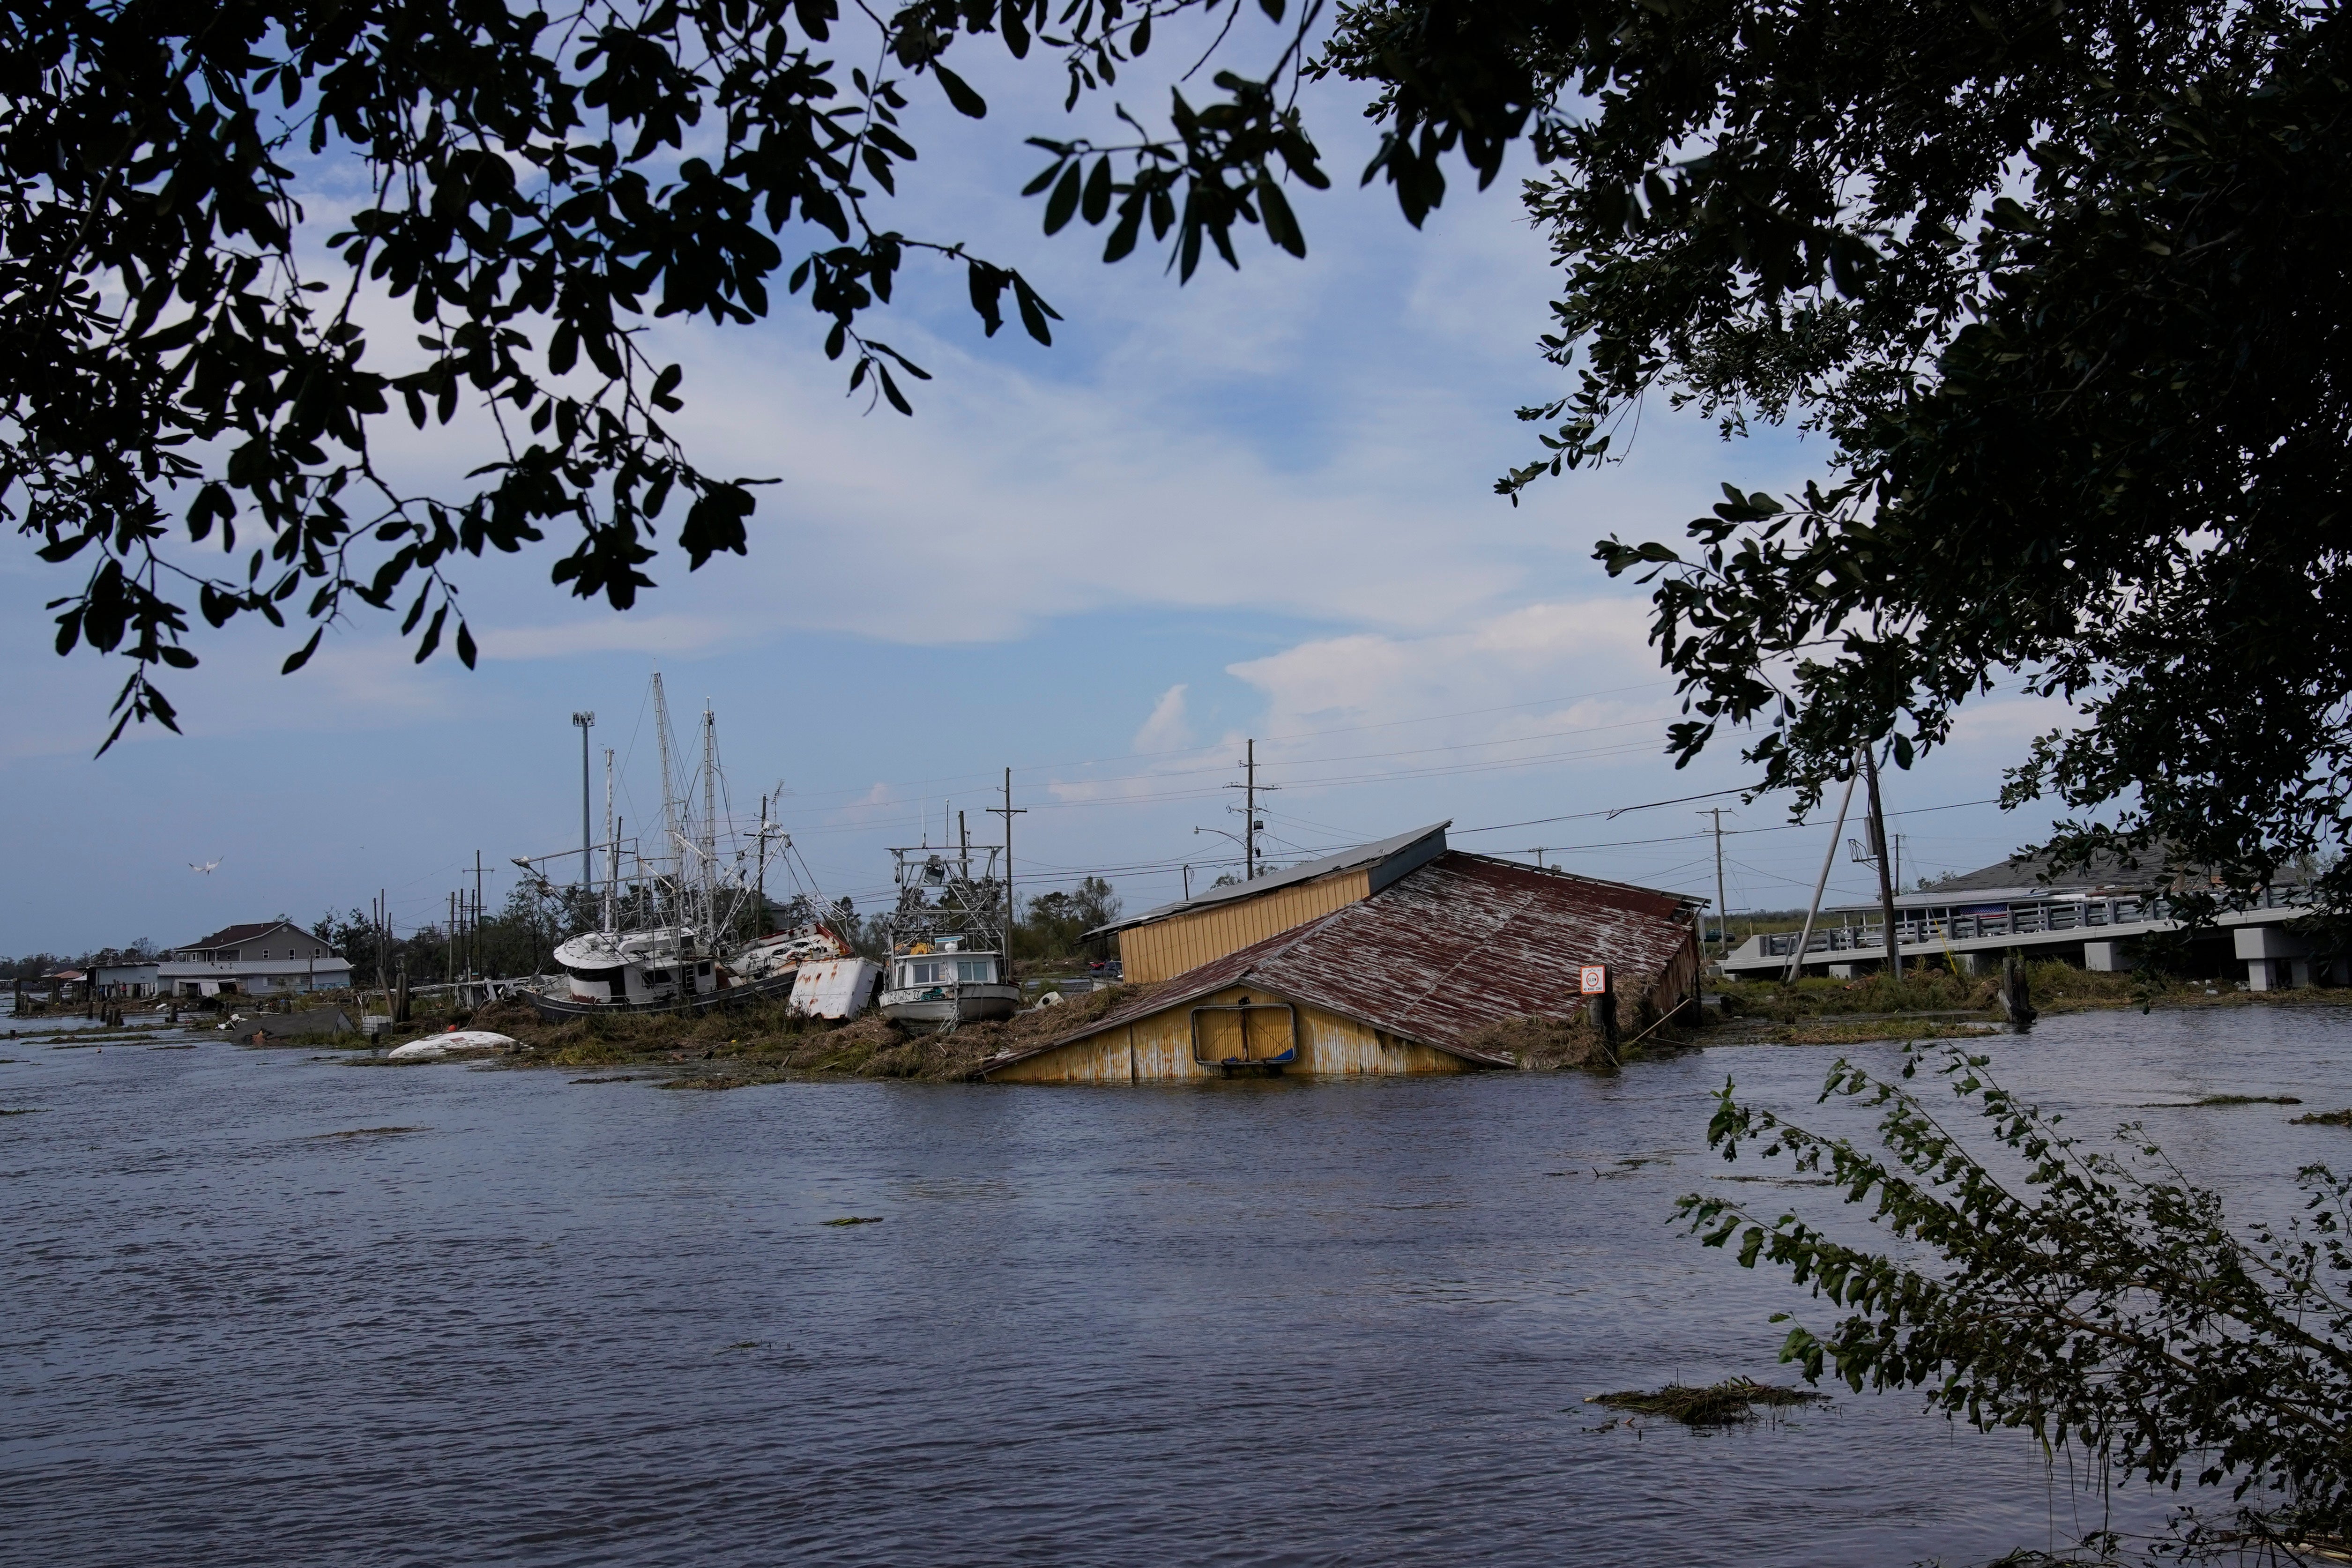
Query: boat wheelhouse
x,y
948,961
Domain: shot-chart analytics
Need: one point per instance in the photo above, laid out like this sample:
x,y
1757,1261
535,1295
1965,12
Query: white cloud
x,y
606,634
1167,729
1581,649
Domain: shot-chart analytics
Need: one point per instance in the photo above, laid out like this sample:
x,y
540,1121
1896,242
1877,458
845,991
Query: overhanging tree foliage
x,y
2057,283
2102,1303
187,270
2062,286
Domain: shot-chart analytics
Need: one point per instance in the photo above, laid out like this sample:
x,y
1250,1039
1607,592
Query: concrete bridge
x,y
2098,928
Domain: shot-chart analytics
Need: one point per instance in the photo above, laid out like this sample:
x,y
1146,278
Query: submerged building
x,y
1391,958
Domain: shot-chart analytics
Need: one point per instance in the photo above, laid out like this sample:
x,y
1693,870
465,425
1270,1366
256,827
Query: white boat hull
x,y
955,1001
836,988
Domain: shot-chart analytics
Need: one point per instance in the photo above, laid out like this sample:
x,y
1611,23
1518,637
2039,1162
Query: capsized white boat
x,y
453,1043
660,968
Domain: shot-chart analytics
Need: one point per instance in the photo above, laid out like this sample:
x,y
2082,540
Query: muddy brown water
x,y
524,1320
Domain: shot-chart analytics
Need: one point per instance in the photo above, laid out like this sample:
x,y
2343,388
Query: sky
x,y
1256,506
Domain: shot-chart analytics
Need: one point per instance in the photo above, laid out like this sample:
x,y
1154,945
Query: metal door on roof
x,y
1235,1033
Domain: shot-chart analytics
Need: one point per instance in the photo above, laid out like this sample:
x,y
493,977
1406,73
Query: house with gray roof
x,y
267,958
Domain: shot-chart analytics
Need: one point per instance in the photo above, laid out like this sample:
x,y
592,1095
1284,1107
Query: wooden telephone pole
x,y
1878,841
1012,904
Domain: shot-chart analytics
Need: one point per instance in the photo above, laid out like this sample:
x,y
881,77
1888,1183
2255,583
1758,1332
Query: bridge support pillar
x,y
2106,957
1846,971
1964,963
2275,960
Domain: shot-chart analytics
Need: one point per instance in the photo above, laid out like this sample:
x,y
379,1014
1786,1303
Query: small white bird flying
x,y
207,867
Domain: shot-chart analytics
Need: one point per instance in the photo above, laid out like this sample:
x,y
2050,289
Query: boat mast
x,y
612,847
709,824
671,839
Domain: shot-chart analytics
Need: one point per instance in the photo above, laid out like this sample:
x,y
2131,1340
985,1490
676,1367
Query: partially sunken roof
x,y
1388,858
1461,942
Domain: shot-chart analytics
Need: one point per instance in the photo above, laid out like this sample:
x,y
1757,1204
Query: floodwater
x,y
1260,1323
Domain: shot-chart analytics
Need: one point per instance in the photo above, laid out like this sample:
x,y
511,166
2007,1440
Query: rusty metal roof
x,y
1460,943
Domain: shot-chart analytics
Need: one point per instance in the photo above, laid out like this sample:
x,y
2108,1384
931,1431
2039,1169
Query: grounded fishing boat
x,y
669,939
948,958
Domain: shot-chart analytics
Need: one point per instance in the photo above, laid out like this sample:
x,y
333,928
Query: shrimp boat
x,y
667,938
949,964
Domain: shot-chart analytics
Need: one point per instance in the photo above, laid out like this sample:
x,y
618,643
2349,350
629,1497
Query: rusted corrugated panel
x,y
1468,942
1463,942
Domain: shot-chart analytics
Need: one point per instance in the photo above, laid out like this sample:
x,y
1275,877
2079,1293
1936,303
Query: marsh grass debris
x,y
22,1110
1724,1403
767,1044
365,1132
2323,1119
854,1219
2247,1100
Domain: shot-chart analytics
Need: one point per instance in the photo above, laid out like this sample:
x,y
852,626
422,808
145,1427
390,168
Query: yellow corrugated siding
x,y
1166,949
1159,1048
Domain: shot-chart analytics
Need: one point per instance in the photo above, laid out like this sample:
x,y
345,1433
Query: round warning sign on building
x,y
1595,978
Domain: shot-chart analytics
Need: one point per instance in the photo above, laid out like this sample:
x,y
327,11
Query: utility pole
x,y
1250,790
587,849
1885,863
1249,810
1188,885
1012,904
1722,909
474,941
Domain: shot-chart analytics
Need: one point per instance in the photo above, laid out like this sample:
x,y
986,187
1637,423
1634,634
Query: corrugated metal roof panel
x,y
1463,942
1401,849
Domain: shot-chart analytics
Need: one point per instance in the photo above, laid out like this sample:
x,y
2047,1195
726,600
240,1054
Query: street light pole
x,y
587,840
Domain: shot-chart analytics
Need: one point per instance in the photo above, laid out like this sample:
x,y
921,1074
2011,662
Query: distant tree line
x,y
33,965
1054,925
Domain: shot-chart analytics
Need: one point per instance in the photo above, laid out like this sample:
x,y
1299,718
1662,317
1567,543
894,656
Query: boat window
x,y
979,969
927,972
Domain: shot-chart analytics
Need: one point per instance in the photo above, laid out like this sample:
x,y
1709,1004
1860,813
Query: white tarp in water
x,y
835,988
449,1045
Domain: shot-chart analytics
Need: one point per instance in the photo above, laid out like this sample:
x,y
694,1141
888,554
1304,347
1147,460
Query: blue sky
x,y
1257,506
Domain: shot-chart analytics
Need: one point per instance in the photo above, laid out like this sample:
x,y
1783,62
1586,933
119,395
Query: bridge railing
x,y
2040,917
